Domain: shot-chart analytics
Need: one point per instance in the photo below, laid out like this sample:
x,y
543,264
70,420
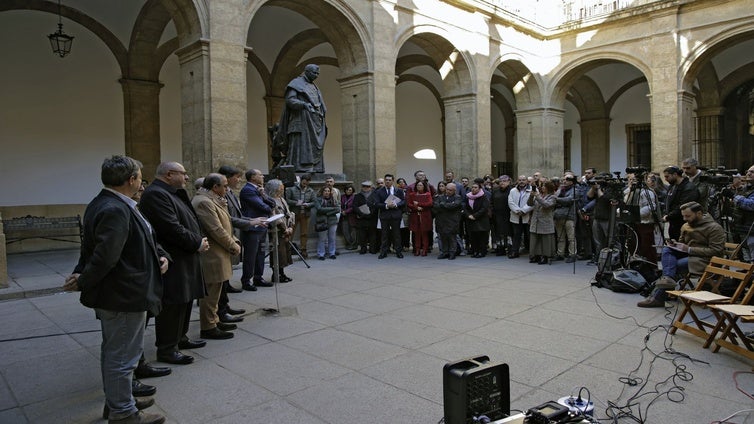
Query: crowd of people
x,y
152,250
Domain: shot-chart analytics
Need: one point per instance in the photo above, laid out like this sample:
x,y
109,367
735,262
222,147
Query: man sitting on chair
x,y
701,239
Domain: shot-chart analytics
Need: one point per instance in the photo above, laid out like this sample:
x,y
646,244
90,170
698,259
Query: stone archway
x,y
720,83
598,89
331,35
429,62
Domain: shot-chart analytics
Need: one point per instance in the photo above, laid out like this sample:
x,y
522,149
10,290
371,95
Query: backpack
x,y
627,281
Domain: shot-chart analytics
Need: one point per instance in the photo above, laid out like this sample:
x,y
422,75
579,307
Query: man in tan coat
x,y
212,211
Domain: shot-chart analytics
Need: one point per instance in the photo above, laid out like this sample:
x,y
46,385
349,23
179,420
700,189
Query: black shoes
x,y
145,370
191,344
139,389
175,357
262,283
321,258
249,287
544,260
235,311
570,259
231,289
226,327
226,317
333,257
382,256
443,256
140,404
216,334
399,255
285,279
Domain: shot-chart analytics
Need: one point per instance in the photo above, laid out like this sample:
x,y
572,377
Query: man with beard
x,y
680,191
701,239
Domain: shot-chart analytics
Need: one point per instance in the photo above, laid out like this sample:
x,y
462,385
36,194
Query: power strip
x,y
577,405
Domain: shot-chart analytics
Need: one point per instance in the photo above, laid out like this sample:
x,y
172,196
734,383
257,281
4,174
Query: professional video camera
x,y
718,177
637,170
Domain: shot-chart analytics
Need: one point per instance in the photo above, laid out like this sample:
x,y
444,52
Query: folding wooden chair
x,y
717,270
732,337
732,251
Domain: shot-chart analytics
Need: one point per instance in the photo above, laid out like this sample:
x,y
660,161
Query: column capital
x,y
356,80
193,51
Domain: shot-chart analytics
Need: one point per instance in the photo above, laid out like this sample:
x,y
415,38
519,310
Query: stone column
x,y
708,137
381,125
142,121
461,141
595,144
195,107
3,257
359,151
539,141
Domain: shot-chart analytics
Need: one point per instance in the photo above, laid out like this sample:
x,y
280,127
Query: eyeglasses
x,y
178,171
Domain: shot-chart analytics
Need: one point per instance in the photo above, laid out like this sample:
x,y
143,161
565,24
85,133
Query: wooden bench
x,y
30,227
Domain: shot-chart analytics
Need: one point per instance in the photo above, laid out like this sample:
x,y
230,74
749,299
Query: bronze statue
x,y
300,137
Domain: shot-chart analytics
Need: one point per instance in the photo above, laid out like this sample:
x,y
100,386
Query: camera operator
x,y
742,198
642,201
565,218
691,170
680,191
585,208
603,190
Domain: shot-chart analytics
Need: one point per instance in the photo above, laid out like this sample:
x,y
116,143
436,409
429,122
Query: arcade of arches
x,y
200,81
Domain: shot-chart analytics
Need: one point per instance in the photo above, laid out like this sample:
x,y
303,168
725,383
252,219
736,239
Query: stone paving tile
x,y
345,399
274,411
280,369
403,333
344,348
329,314
43,377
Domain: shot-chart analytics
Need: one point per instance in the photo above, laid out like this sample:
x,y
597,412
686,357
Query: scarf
x,y
471,196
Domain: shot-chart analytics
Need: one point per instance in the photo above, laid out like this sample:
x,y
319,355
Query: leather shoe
x,y
191,344
382,256
231,289
226,327
399,255
175,357
451,257
140,404
146,370
216,334
285,279
140,418
235,311
651,302
443,256
249,287
262,283
226,317
139,389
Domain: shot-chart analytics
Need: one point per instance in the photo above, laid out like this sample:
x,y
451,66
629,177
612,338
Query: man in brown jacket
x,y
212,212
701,239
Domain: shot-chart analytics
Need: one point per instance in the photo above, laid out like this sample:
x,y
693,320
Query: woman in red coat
x,y
420,217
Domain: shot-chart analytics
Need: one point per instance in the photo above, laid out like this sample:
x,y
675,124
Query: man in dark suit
x,y
119,276
167,206
390,201
254,204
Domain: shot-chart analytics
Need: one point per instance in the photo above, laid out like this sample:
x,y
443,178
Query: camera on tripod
x,y
718,177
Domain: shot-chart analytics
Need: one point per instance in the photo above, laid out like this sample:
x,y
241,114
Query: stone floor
x,y
364,340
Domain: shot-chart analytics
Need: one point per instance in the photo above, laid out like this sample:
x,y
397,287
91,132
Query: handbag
x,y
320,226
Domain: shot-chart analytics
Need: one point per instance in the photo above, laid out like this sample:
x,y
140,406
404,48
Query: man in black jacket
x,y
390,201
119,276
447,209
680,192
166,204
366,223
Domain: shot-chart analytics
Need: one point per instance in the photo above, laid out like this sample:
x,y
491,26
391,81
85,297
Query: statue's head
x,y
311,72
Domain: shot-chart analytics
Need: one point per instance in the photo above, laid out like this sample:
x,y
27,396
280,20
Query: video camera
x,y
637,170
719,177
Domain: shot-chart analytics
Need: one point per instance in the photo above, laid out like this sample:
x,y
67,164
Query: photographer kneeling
x,y
701,239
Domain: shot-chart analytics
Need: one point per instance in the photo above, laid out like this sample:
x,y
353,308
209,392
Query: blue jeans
x,y
122,345
674,263
328,235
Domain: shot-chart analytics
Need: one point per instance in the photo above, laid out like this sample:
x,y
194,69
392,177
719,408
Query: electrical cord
x,y
725,420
